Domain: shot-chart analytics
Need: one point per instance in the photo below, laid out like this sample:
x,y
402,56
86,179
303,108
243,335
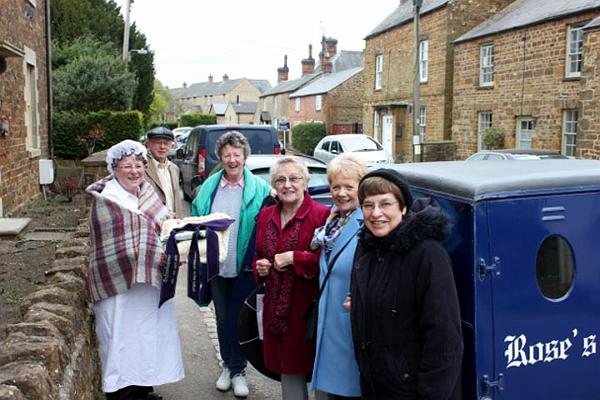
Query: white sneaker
x,y
224,382
240,386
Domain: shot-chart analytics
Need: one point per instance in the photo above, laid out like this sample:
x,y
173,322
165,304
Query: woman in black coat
x,y
404,310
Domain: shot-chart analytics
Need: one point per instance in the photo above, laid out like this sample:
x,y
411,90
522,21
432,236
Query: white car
x,y
362,145
184,130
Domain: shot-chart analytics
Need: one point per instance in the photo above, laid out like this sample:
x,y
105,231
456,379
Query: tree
x,y
161,101
93,83
143,67
82,46
100,20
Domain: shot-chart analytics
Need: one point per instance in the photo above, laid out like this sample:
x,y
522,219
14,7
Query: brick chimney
x,y
308,64
225,77
210,78
330,47
282,72
324,57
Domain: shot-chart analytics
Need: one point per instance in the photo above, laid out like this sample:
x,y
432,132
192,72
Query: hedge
x,y
305,136
194,119
167,124
117,126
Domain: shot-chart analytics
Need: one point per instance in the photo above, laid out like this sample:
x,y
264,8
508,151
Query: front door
x,y
544,296
387,133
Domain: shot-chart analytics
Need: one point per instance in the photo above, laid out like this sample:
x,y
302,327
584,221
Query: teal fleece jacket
x,y
254,192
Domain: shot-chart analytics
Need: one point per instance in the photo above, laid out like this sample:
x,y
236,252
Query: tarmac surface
x,y
197,331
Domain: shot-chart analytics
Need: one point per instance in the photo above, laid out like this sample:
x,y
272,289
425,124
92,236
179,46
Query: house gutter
x,y
49,80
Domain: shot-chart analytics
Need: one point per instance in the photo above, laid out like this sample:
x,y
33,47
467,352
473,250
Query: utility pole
x,y
417,148
126,31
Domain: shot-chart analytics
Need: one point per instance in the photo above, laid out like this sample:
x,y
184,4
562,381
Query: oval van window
x,y
555,267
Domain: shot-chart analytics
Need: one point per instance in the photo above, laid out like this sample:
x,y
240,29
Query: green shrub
x,y
170,124
167,124
67,126
307,135
493,138
193,119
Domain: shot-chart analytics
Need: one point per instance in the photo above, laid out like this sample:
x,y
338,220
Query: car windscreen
x,y
261,140
360,143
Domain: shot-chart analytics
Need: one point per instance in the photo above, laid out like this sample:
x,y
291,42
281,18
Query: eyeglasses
x,y
283,179
383,206
129,168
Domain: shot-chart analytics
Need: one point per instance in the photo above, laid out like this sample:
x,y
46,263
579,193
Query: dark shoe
x,y
153,396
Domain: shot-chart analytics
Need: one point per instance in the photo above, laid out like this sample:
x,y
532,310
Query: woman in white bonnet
x,y
139,342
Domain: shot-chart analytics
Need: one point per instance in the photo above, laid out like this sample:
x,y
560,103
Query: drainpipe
x,y
417,145
49,80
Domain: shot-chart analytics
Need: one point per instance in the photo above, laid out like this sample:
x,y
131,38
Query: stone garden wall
x,y
52,353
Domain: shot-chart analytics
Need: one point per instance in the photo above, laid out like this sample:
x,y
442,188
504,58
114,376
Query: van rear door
x,y
545,279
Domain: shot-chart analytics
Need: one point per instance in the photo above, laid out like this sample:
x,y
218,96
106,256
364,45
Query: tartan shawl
x,y
125,246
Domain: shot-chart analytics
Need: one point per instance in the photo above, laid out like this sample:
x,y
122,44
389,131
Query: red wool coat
x,y
289,353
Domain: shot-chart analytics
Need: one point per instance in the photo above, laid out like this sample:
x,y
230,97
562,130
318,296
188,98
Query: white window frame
x,y
31,97
422,123
297,104
318,102
574,51
484,121
423,60
375,124
569,132
524,134
378,70
486,65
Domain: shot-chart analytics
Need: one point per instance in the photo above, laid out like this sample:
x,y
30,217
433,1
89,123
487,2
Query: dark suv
x,y
198,158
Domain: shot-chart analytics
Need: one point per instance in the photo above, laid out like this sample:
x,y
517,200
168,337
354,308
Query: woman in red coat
x,y
289,271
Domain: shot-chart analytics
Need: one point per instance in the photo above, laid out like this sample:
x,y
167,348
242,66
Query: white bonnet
x,y
123,149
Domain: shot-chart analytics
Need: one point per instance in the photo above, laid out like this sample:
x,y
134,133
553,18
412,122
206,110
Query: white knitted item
x,y
184,238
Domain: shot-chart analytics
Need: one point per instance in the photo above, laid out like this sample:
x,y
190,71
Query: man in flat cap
x,y
161,173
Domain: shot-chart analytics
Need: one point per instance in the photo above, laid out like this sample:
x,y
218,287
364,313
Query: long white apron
x,y
139,342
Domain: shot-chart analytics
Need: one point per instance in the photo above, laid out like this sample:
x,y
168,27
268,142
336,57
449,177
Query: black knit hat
x,y
394,177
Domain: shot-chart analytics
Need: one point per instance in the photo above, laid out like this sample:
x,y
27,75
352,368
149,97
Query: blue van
x,y
198,157
525,249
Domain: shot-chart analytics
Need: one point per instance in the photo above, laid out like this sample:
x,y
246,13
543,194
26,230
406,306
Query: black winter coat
x,y
405,314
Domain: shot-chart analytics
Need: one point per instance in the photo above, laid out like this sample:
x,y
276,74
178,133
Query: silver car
x,y
515,154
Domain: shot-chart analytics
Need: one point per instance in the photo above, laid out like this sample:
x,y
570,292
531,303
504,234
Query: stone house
x,y
241,112
25,109
274,105
218,110
588,132
522,71
198,97
333,99
389,73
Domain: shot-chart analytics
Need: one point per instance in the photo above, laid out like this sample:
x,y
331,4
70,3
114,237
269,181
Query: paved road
x,y
197,330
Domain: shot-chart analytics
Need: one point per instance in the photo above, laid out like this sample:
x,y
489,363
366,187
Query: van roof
x,y
497,179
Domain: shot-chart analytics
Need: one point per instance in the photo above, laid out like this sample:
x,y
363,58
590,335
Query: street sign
x,y
284,125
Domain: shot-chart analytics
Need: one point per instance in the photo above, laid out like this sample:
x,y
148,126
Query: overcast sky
x,y
247,39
